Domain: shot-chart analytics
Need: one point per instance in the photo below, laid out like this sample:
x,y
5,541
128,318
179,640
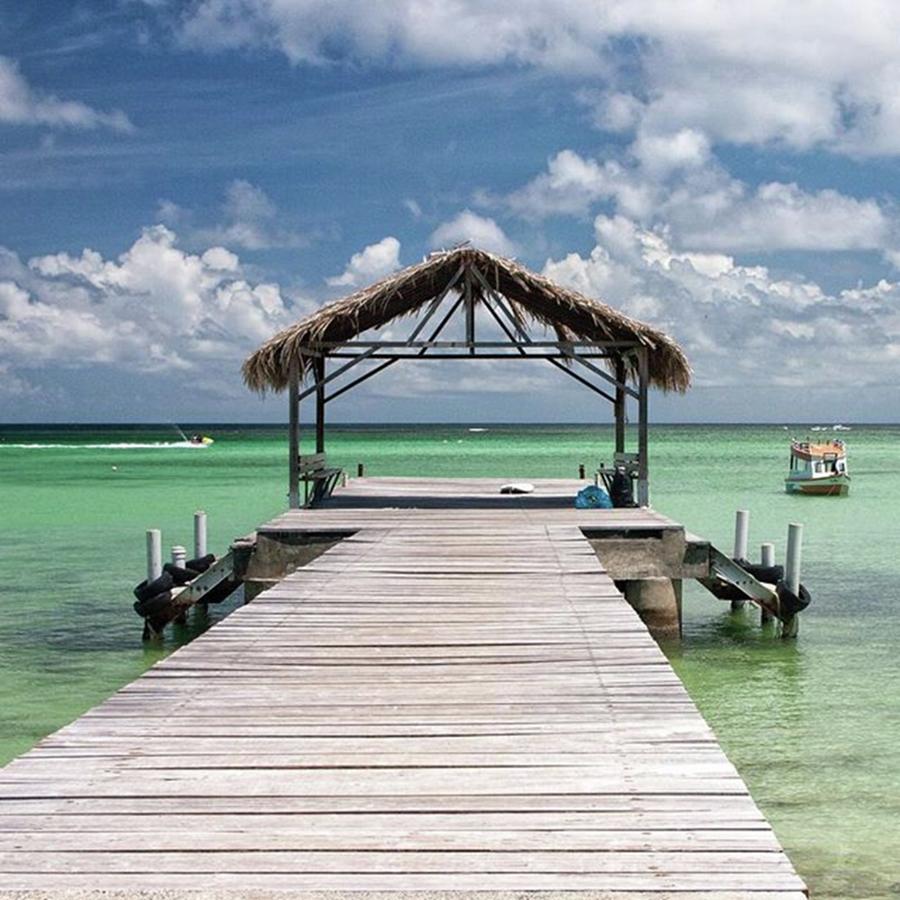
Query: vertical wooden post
x,y
154,554
319,371
470,314
360,470
741,534
294,436
620,407
179,558
199,534
643,428
581,471
741,543
766,558
319,375
792,558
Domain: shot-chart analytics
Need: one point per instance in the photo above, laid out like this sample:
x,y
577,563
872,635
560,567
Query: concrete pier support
x,y
658,603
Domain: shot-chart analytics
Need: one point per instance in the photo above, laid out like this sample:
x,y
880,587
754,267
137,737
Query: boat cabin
x,y
818,468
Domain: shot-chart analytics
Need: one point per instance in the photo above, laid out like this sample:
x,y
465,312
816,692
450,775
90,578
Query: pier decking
x,y
454,698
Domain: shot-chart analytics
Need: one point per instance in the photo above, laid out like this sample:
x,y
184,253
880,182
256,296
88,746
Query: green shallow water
x,y
813,726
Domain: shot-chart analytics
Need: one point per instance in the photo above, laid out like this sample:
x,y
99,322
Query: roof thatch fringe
x,y
531,297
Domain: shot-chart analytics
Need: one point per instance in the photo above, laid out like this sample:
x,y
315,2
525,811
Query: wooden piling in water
x,y
792,560
767,559
154,554
179,556
200,542
741,543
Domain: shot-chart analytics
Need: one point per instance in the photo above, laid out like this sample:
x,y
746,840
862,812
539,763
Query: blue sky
x,y
180,180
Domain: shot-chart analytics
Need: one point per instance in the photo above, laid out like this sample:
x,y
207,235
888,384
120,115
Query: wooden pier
x,y
454,698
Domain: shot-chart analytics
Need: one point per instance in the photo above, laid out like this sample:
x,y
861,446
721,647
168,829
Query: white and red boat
x,y
818,468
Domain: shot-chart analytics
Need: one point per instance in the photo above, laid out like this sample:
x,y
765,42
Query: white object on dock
x,y
517,487
179,556
741,533
199,533
793,557
154,554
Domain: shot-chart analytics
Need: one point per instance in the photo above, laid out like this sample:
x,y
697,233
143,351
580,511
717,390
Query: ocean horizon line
x,y
472,423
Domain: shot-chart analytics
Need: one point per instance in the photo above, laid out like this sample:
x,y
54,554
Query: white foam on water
x,y
157,445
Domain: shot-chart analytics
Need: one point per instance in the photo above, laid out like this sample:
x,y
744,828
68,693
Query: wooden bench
x,y
314,470
627,462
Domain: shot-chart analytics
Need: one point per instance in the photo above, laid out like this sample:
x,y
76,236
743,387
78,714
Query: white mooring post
x,y
154,554
766,558
792,561
179,556
741,541
741,533
793,557
199,533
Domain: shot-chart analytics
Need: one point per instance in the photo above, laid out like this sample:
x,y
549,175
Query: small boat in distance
x,y
818,468
200,440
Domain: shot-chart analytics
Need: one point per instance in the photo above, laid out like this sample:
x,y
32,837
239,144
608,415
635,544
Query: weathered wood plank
x,y
456,698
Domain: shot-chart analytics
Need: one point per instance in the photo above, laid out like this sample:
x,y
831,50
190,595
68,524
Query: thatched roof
x,y
531,297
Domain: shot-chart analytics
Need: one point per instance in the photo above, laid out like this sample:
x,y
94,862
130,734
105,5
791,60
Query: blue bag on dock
x,y
592,497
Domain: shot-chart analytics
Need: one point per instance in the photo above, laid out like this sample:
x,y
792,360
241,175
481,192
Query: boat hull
x,y
830,486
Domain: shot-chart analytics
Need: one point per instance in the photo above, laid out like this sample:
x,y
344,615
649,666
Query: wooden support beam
x,y
319,372
294,436
390,362
355,360
620,385
326,347
364,377
473,352
470,313
526,340
643,427
620,406
415,333
556,362
566,348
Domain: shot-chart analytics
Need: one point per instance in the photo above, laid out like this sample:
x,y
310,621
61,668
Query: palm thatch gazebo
x,y
594,343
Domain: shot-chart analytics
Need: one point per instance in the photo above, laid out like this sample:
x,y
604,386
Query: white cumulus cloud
x,y
156,308
469,227
804,74
740,325
702,206
20,104
371,263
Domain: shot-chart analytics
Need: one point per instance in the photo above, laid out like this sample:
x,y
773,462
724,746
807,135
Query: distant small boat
x,y
818,469
200,440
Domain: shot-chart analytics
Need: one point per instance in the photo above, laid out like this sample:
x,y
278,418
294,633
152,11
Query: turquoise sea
x,y
813,725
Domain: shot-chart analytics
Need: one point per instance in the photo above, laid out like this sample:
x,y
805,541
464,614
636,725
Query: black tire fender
x,y
790,602
153,606
180,576
147,589
765,574
201,563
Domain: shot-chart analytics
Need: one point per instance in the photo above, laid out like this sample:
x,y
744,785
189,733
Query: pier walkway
x,y
455,698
